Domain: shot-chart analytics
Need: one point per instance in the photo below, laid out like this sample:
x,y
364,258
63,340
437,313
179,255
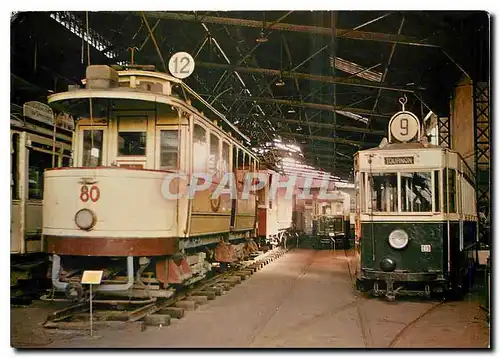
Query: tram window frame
x,y
169,150
14,168
214,150
138,140
240,166
225,166
133,129
87,152
437,190
200,157
393,207
34,165
404,194
451,190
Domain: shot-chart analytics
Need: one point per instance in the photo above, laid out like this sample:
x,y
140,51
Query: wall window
x,y
383,190
132,143
416,192
214,157
92,156
38,162
169,141
200,152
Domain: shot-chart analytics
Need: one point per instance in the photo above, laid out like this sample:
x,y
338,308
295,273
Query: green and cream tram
x,y
416,215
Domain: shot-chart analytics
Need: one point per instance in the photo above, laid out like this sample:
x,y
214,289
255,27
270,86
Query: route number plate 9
x,y
425,248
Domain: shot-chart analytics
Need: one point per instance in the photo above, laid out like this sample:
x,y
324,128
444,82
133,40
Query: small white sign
x,y
92,277
181,65
94,152
425,248
404,126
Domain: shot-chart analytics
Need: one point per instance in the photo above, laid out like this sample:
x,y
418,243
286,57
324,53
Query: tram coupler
x,y
390,294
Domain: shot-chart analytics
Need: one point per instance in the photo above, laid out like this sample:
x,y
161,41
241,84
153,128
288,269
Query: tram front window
x,y
416,192
92,148
384,192
132,143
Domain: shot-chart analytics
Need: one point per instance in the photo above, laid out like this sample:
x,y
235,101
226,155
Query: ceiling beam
x,y
322,106
324,125
329,156
326,31
350,142
305,76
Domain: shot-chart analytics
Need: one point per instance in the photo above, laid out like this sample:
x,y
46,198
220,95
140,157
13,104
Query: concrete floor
x,y
304,299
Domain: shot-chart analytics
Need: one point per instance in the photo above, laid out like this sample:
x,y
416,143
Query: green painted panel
x,y
409,258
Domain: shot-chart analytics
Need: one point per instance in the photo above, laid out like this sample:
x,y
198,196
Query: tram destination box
x,y
101,77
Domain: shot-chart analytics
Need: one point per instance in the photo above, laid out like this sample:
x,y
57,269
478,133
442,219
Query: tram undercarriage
x,y
145,278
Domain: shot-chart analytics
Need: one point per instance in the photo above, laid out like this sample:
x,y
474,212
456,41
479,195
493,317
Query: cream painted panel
x,y
244,223
34,217
131,203
15,227
209,224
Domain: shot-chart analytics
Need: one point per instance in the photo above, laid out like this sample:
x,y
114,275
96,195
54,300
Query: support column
x,y
482,155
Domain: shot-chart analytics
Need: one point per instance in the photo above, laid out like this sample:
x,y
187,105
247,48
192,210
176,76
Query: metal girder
x,y
326,125
325,107
342,33
353,143
306,76
329,156
482,145
444,132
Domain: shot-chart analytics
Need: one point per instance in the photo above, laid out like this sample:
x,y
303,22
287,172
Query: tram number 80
x,y
93,193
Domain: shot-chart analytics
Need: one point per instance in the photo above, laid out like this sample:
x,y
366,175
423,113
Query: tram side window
x,y
92,156
240,162
200,152
213,159
384,191
38,162
14,167
225,158
416,192
452,189
132,143
169,142
437,190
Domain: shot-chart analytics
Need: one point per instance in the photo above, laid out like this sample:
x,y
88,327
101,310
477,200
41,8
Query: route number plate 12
x,y
425,248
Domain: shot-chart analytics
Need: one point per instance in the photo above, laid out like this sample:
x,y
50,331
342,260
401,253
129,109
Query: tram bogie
x,y
416,215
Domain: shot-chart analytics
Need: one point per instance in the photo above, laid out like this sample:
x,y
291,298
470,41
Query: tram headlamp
x,y
85,219
398,239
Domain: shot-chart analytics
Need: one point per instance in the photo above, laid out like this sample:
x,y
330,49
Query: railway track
x,y
364,322
161,311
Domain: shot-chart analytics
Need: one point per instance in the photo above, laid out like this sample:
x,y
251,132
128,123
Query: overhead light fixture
x,y
280,82
291,110
262,37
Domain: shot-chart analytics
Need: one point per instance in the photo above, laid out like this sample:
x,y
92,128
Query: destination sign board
x,y
398,160
38,111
